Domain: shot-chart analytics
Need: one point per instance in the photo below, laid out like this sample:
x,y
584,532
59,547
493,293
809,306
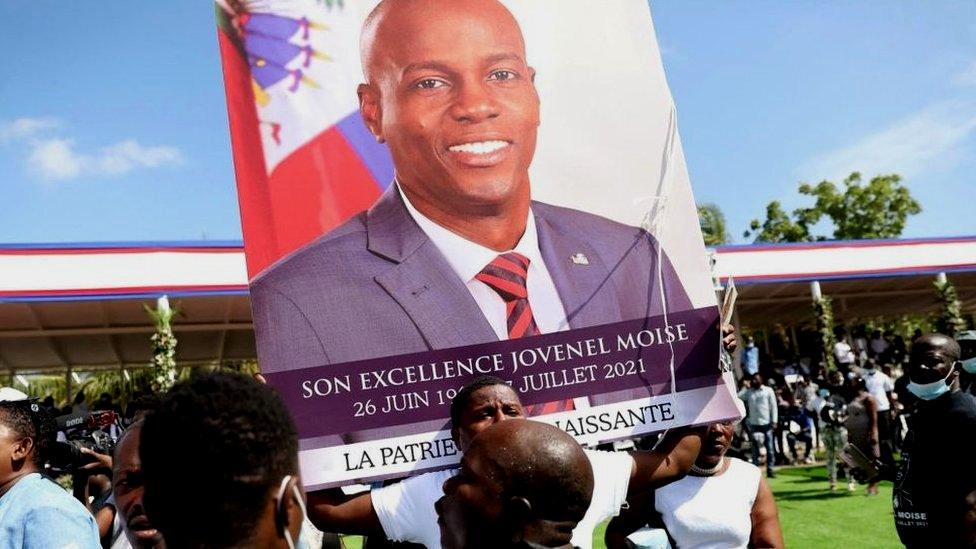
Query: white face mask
x,y
281,509
931,391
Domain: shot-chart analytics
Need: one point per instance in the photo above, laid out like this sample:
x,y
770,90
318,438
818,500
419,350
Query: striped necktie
x,y
507,274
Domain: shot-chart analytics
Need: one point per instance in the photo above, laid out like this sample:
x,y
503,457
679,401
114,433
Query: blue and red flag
x,y
304,160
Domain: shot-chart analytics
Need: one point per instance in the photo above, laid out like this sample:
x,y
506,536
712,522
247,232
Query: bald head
x,y
393,21
521,483
941,342
932,358
541,463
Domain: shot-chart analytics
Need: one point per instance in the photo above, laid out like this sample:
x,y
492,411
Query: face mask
x,y
931,391
281,511
969,365
824,393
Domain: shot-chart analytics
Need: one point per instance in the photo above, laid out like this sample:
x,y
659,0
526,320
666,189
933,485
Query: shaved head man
x,y
521,484
405,511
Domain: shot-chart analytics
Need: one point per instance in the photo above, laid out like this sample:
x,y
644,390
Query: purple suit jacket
x,y
377,286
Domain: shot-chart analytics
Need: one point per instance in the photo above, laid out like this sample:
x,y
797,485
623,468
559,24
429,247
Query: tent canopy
x,y
81,306
868,278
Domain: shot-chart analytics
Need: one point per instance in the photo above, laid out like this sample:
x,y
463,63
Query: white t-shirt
x,y
119,539
878,384
710,512
843,353
406,509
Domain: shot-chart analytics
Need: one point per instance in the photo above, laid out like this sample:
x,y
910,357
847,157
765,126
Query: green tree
x,y
163,345
779,226
712,223
823,310
876,209
949,320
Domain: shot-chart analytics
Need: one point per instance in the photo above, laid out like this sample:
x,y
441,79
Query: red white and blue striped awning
x,y
81,305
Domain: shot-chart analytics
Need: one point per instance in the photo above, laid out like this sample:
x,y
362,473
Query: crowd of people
x,y
213,463
797,406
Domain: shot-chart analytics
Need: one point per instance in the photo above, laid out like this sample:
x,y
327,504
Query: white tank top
x,y
710,512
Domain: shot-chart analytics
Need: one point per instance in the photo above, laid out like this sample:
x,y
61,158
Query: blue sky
x,y
113,125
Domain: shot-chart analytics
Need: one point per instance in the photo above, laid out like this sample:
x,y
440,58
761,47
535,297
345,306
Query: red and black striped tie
x,y
507,274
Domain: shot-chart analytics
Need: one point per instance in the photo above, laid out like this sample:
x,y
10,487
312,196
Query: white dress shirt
x,y
468,258
879,385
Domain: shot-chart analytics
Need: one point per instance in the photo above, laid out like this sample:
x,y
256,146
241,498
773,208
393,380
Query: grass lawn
x,y
812,516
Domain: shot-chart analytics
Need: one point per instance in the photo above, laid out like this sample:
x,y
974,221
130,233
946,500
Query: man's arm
x,y
773,406
670,461
104,519
333,511
872,410
634,517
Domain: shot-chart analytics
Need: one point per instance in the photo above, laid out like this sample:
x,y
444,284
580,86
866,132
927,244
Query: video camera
x,y
834,411
97,430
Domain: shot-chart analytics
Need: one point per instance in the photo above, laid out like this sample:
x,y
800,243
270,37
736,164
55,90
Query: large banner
x,y
435,191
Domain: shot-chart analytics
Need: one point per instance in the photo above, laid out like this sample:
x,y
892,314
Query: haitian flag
x,y
304,160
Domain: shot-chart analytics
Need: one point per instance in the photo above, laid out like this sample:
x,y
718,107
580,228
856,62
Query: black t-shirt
x,y
936,472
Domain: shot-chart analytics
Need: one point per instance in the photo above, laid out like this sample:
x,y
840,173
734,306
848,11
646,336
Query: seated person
x,y
405,511
220,466
522,484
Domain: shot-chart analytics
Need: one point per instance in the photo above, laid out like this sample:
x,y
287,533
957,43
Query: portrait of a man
x,y
455,252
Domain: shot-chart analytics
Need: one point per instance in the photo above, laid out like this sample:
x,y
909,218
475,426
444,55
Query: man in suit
x,y
456,252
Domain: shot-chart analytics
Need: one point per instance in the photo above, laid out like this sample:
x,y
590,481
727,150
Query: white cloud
x,y
23,128
966,77
932,138
128,155
52,156
57,159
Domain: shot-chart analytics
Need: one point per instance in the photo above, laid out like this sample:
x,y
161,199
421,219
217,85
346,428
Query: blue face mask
x,y
969,365
931,391
824,393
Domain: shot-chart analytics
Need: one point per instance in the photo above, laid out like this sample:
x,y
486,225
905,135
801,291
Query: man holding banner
x,y
405,511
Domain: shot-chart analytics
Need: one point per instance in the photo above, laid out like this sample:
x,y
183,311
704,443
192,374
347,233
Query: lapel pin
x,y
579,259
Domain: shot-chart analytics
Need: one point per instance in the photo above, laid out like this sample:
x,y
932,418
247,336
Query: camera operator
x,y
83,449
34,511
